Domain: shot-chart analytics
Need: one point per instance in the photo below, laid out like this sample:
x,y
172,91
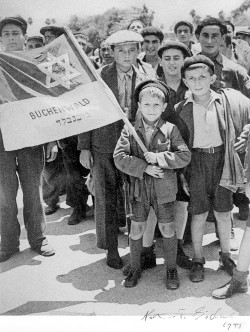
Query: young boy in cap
x,y
98,145
34,42
204,119
25,164
51,32
152,176
152,39
184,32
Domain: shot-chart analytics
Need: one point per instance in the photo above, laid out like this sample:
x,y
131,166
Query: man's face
x,y
136,26
151,45
124,55
49,36
199,80
82,42
183,33
12,38
210,39
172,61
34,43
151,108
105,52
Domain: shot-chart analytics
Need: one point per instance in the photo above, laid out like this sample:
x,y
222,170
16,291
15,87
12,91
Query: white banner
x,y
44,119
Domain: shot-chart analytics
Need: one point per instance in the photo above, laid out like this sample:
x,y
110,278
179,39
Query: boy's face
x,y
151,45
12,38
49,36
199,80
171,61
151,108
124,55
136,26
183,33
210,39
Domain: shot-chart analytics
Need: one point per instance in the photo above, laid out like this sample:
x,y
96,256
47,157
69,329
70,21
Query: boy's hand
x,y
241,145
154,171
150,157
86,159
184,184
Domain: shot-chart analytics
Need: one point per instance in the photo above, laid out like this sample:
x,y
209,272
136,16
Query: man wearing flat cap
x,y
51,32
98,145
184,32
24,164
152,39
229,75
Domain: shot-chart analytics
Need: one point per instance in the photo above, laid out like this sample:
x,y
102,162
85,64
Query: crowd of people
x,y
188,101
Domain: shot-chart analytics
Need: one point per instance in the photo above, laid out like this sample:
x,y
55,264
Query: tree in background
x,y
98,27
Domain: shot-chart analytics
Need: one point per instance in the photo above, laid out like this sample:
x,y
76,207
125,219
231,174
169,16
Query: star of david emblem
x,y
58,71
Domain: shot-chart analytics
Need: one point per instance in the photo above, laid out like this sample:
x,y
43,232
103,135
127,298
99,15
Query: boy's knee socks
x,y
170,251
135,253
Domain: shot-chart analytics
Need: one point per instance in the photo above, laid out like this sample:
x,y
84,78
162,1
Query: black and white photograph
x,y
124,165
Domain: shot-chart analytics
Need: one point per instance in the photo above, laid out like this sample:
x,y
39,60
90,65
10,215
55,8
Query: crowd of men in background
x,y
124,60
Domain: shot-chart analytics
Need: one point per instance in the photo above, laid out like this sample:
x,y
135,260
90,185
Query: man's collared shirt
x,y
206,125
124,87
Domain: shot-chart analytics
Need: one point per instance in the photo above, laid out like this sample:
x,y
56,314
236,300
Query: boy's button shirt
x,y
149,131
206,124
124,87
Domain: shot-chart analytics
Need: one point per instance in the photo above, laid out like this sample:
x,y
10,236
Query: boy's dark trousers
x,y
109,200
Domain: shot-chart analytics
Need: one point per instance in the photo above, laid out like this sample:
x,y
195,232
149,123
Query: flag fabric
x,y
50,93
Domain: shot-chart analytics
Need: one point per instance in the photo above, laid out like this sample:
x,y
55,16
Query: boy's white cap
x,y
124,37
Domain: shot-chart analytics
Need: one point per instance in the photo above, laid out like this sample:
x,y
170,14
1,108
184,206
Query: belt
x,y
209,150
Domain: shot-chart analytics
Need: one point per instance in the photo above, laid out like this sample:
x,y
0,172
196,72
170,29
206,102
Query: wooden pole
x,y
106,88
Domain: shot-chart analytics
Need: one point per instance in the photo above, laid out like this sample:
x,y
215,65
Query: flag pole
x,y
106,88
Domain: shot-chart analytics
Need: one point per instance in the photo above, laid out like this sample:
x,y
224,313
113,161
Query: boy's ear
x,y
213,78
185,82
164,106
111,52
139,105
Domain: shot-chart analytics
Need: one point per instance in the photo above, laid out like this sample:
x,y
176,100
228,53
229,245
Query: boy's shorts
x,y
164,212
204,178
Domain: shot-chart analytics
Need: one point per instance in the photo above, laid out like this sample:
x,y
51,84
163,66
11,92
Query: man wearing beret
x,y
229,74
97,146
184,31
25,164
152,39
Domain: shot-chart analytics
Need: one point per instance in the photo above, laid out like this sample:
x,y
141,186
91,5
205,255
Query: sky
x,y
167,12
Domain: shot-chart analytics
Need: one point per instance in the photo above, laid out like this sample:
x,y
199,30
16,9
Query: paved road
x,y
76,281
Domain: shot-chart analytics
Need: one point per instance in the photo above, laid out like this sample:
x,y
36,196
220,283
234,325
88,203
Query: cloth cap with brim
x,y
39,38
195,60
124,37
186,23
211,21
152,31
174,44
14,20
243,32
58,31
151,83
